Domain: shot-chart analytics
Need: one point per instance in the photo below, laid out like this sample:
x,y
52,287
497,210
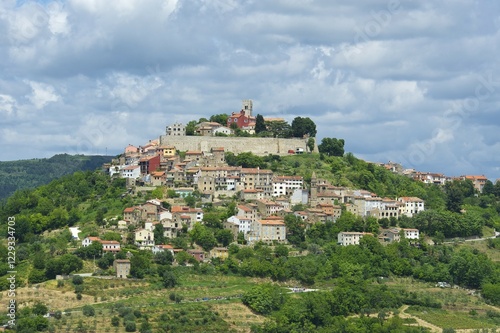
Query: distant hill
x,y
23,174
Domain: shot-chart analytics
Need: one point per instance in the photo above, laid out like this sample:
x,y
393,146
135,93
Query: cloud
x,y
397,79
42,94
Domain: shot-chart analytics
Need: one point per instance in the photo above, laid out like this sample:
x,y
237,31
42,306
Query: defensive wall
x,y
258,146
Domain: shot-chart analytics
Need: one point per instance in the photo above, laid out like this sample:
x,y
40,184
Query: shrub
x,y
88,311
115,321
130,326
77,280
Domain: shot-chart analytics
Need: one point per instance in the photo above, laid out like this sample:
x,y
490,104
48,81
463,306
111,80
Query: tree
x,y
294,229
224,236
456,192
219,118
77,280
190,200
191,127
491,292
260,126
159,235
303,126
140,264
115,321
279,129
212,220
264,298
40,309
203,236
88,311
281,251
310,143
65,264
130,326
164,258
332,147
170,280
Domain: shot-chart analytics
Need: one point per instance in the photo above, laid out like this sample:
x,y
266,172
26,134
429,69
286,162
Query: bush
x,y
77,280
115,321
130,326
88,311
58,314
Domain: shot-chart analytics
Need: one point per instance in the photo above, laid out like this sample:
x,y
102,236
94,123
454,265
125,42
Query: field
x,y
202,303
212,303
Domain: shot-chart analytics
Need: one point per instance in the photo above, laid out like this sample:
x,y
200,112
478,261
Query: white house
x,y
131,171
145,239
350,237
269,230
222,130
244,223
110,246
412,206
286,185
89,240
162,248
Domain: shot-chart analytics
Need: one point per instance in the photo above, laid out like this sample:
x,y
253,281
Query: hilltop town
x,y
202,177
221,218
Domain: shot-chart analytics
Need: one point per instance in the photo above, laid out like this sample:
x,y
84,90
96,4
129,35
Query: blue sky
x,y
407,81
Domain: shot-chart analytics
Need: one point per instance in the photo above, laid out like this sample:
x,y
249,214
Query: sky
x,y
413,82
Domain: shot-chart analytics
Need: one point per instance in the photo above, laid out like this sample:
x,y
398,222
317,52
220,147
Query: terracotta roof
x,y
131,167
109,242
272,222
244,208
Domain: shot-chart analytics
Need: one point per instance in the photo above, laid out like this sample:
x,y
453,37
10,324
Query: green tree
x,y
115,321
491,292
191,127
279,129
332,147
264,298
130,326
140,264
260,126
190,200
303,126
224,237
294,229
203,236
88,311
159,234
170,279
310,143
164,258
219,118
39,309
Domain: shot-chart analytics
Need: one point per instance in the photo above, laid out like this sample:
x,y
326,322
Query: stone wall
x,y
258,146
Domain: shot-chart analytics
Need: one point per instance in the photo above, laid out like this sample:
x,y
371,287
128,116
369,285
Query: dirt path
x,y
420,322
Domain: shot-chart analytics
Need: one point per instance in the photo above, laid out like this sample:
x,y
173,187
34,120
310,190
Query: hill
x,y
26,174
370,287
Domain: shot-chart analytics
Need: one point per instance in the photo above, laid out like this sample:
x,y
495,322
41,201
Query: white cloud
x,y
42,94
390,82
7,105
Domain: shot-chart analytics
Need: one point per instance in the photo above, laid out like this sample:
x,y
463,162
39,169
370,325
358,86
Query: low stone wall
x,y
258,146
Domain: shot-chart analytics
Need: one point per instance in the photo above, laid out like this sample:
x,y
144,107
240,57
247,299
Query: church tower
x,y
314,189
247,106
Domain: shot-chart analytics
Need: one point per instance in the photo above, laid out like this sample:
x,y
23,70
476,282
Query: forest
x,y
24,174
